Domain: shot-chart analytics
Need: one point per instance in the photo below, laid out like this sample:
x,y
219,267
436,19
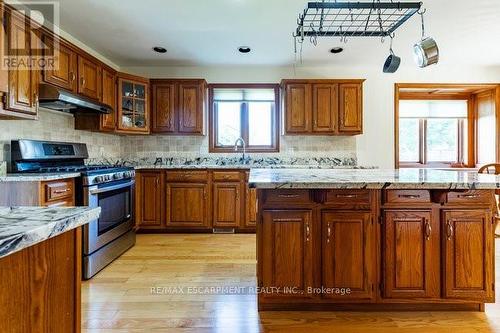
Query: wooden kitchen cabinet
x,y
89,78
64,71
298,108
468,254
411,254
348,255
108,121
187,205
323,107
287,253
149,197
19,84
351,109
251,207
226,205
133,104
178,106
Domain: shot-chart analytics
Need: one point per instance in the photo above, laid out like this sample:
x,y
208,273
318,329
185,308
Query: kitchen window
x,y
433,133
250,112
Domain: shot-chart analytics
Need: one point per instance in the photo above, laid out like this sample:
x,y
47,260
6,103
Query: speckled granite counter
x,y
237,166
38,177
22,227
371,179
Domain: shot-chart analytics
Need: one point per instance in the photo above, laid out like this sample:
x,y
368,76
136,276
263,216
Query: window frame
x,y
462,122
213,130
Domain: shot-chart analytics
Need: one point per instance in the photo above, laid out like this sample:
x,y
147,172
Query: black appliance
x,y
106,186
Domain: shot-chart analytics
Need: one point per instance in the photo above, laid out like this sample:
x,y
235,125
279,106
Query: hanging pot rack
x,y
332,18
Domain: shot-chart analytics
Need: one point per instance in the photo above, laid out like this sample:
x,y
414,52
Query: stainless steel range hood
x,y
55,98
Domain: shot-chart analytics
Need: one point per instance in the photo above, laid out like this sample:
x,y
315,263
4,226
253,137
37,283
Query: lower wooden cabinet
x,y
348,255
148,200
288,255
194,199
411,254
187,205
468,254
226,204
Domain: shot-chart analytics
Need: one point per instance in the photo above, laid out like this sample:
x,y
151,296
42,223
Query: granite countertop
x,y
237,166
372,179
22,227
38,177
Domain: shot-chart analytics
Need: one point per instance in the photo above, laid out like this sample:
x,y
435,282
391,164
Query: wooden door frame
x,y
469,96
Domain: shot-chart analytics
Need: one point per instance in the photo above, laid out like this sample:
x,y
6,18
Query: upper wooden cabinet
x,y
19,85
178,106
64,71
323,107
89,78
133,104
108,121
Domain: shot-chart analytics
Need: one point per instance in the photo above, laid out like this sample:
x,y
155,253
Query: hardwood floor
x,y
138,293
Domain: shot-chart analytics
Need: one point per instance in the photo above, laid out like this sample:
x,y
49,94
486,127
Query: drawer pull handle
x,y
469,196
347,196
409,196
449,230
61,191
428,230
287,220
288,196
308,232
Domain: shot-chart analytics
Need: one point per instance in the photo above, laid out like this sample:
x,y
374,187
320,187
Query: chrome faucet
x,y
237,143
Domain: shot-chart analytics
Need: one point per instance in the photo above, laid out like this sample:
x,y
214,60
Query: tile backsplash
x,y
57,126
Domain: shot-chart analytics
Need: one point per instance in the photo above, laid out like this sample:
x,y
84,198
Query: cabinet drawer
x,y
287,196
407,196
187,176
348,197
57,190
226,176
472,196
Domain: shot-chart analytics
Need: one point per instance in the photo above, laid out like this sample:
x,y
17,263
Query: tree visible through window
x,y
249,112
432,132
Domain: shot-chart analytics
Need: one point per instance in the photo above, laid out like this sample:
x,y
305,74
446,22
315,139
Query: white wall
x,y
376,146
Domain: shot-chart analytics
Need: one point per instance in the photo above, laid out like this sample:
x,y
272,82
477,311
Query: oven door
x,y
116,201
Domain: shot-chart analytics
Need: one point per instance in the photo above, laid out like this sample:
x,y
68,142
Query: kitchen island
x,y
40,268
410,239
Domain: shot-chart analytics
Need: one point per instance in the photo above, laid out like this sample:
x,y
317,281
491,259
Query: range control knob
x,y
118,175
98,179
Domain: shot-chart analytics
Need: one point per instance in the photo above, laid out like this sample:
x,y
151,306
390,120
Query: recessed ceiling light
x,y
159,49
244,49
336,50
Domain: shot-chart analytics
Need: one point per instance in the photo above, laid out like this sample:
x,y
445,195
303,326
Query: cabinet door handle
x,y
308,232
469,196
449,230
428,230
61,191
37,102
82,81
157,181
409,196
237,195
72,76
328,232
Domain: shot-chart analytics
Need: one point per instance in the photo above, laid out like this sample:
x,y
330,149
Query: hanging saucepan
x,y
392,62
426,52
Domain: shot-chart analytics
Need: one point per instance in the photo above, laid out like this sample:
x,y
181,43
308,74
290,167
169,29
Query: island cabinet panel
x,y
227,204
188,205
325,107
149,199
468,257
348,255
251,207
351,110
298,108
411,265
287,253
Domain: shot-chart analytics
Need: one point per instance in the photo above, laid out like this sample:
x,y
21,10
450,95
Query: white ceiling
x,y
208,32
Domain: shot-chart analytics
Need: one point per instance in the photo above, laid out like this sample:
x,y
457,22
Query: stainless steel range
x,y
106,186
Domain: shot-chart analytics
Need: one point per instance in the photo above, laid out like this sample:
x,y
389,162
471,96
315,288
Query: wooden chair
x,y
494,169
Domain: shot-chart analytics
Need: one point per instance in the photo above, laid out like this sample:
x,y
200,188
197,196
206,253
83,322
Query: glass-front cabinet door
x,y
133,106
